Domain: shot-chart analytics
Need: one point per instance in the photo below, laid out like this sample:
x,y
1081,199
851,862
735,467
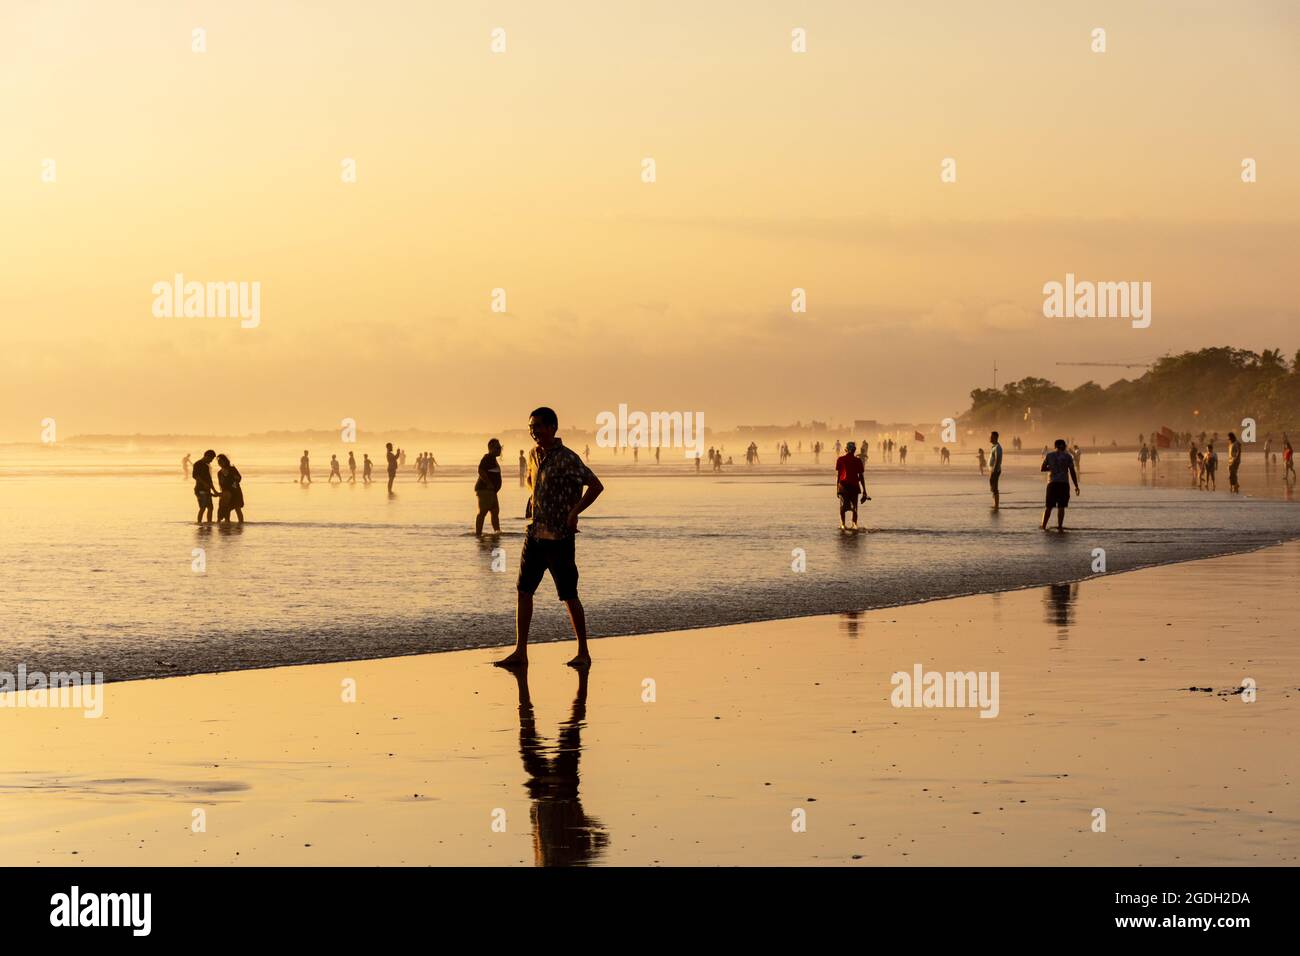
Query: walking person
x,y
304,469
486,488
850,481
366,467
232,494
556,479
1060,466
334,470
995,466
352,468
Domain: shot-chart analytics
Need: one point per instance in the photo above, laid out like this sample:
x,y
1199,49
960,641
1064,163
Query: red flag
x,y
919,436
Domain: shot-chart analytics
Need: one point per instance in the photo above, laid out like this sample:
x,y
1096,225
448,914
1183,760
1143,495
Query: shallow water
x,y
98,556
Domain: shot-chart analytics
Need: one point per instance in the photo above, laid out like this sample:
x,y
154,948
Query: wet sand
x,y
750,723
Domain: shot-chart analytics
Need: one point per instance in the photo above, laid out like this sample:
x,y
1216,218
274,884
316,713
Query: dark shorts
x,y
487,501
993,480
205,499
848,495
540,556
1058,494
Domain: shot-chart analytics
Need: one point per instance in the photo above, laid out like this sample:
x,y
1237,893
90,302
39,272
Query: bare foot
x,y
581,661
515,660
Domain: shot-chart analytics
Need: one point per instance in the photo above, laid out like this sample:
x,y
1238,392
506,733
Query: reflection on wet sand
x,y
851,622
563,833
1059,602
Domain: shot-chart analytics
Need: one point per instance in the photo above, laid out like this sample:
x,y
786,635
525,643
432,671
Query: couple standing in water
x,y
227,490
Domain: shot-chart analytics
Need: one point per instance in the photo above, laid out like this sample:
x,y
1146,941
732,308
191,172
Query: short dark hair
x,y
546,416
494,441
994,436
1060,443
209,454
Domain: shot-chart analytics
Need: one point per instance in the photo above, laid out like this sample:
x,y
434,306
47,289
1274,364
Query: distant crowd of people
x,y
1063,463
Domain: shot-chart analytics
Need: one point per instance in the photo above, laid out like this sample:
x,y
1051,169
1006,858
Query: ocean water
x,y
98,554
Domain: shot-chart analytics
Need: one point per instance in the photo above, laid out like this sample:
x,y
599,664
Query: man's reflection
x,y
1059,606
563,834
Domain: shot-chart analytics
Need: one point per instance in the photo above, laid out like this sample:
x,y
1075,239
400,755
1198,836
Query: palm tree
x,y
1272,359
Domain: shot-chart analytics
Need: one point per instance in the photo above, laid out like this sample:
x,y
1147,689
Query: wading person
x,y
393,458
232,495
850,481
1060,466
556,478
486,488
995,467
203,489
1234,462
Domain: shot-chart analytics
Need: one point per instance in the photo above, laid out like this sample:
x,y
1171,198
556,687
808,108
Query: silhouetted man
x,y
1060,466
1234,462
486,488
203,487
849,483
556,478
995,467
392,464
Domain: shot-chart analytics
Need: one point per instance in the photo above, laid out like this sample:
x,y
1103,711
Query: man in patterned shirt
x,y
556,478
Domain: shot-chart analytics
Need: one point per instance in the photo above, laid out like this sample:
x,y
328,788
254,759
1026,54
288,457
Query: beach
x,y
748,725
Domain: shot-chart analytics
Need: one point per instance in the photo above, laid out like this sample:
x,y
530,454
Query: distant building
x,y
864,425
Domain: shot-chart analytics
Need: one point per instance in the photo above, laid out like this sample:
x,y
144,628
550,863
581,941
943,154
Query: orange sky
x,y
521,171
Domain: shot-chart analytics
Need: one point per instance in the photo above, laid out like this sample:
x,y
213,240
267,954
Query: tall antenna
x,y
995,375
